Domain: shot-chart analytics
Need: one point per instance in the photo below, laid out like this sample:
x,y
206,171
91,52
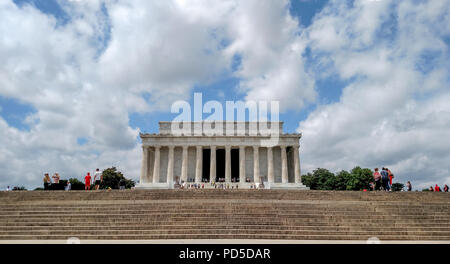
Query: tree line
x,y
355,180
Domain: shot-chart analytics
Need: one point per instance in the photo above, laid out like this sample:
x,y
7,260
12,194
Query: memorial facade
x,y
242,154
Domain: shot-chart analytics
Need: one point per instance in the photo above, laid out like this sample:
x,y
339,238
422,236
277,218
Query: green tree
x,y
112,178
397,186
320,179
75,184
360,179
342,180
308,180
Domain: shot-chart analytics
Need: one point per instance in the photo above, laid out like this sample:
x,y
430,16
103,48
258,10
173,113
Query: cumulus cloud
x,y
86,74
394,111
271,47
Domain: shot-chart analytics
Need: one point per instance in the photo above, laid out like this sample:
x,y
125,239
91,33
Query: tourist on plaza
x,y
391,176
445,188
8,189
56,178
431,189
68,186
98,178
47,181
87,182
437,188
372,186
384,179
377,179
408,186
121,184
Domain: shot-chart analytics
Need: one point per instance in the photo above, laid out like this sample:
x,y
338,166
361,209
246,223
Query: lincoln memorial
x,y
242,154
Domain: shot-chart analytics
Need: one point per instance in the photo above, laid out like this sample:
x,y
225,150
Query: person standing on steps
x,y
391,176
47,181
385,179
87,181
68,186
437,188
56,178
122,184
408,186
377,179
98,178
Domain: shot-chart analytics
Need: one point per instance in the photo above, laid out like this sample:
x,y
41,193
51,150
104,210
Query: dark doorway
x,y
206,164
220,164
235,165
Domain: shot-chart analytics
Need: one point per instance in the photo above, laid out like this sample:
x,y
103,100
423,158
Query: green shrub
x,y
113,178
76,184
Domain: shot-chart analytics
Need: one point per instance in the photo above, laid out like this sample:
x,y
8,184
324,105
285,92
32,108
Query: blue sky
x,y
366,82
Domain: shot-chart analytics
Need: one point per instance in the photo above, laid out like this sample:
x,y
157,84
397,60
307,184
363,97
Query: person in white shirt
x,y
98,178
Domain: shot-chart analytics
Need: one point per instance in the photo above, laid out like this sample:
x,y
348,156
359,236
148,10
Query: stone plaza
x,y
244,158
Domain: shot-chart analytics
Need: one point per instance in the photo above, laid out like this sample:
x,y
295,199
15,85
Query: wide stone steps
x,y
93,226
225,194
220,231
226,214
340,236
203,223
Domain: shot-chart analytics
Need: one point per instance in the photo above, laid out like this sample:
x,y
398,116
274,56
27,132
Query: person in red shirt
x,y
87,182
437,188
391,175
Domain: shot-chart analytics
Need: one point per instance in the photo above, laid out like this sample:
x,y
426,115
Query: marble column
x,y
227,163
170,166
298,177
270,173
184,164
212,166
256,178
144,167
241,164
156,165
199,165
284,168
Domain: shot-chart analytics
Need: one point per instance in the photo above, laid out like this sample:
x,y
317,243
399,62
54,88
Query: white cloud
x,y
394,113
85,77
271,46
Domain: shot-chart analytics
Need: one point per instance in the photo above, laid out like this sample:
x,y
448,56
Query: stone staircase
x,y
224,214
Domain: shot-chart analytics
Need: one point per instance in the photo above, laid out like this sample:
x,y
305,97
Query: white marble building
x,y
238,153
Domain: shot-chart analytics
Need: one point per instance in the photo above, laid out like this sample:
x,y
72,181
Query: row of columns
x,y
199,164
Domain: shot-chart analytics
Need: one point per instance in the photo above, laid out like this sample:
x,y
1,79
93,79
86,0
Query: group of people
x,y
48,181
49,184
98,178
216,185
438,189
382,180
